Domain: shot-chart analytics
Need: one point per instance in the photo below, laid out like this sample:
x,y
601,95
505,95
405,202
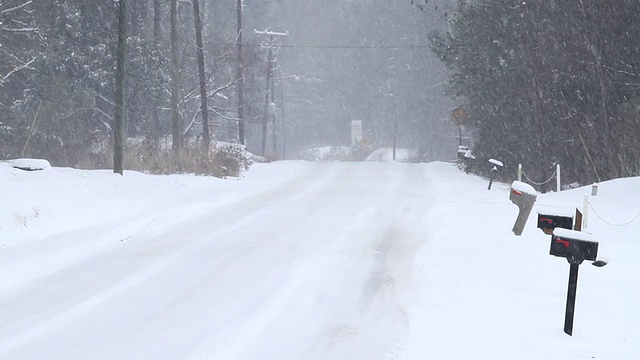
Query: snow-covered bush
x,y
221,160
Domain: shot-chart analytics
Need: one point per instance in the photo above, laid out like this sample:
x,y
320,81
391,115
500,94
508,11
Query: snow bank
x,y
504,297
326,153
37,204
386,155
30,164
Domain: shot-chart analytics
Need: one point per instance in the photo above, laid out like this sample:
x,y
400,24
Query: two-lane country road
x,y
318,267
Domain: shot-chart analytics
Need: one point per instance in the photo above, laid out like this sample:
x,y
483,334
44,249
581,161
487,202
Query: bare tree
x,y
11,24
202,76
178,138
239,75
118,130
157,19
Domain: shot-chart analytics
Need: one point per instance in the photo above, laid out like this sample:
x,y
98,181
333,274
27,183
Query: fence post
x,y
519,172
558,183
585,211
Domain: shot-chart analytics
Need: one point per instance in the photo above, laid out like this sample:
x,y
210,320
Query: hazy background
x,y
338,79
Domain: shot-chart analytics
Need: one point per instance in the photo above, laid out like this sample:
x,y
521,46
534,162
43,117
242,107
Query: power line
x,y
337,46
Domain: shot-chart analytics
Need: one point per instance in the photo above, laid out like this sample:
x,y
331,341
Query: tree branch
x,y
19,30
15,70
6,11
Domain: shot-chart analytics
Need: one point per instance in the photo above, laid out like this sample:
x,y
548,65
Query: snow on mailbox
x,y
575,246
524,196
496,166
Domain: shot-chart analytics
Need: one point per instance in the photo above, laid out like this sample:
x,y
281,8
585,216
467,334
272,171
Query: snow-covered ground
x,y
344,153
302,260
326,153
386,154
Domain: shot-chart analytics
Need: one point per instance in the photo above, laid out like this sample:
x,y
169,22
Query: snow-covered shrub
x,y
221,160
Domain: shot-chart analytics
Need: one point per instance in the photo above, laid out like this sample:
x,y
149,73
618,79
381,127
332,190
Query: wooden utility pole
x,y
284,129
268,92
273,117
266,99
239,76
118,128
203,82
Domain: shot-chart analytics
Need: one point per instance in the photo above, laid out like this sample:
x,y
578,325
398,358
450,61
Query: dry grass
x,y
220,161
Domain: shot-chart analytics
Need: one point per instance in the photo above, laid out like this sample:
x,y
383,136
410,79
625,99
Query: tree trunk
x,y
157,19
178,139
239,76
118,128
142,17
135,17
203,82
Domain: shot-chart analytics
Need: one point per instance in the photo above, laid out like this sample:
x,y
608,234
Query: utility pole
x,y
269,93
284,129
273,117
266,99
239,76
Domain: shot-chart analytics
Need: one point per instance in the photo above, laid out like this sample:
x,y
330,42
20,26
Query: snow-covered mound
x,y
326,153
34,204
30,164
386,154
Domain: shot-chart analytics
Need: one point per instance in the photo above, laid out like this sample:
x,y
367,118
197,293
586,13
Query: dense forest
x,y
339,61
548,82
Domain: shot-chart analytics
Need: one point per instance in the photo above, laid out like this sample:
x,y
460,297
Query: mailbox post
x,y
496,165
524,196
576,247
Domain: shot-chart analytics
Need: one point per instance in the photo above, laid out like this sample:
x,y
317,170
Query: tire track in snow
x,y
27,321
294,278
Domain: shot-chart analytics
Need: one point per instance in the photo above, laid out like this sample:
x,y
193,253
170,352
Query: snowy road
x,y
318,267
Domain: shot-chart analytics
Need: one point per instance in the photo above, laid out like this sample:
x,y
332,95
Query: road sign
x,y
458,115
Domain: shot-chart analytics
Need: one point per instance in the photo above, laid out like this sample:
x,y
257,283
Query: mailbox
x,y
524,196
548,222
462,151
575,246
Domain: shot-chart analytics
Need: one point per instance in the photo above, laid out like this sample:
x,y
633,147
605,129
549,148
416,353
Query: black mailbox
x,y
574,249
548,222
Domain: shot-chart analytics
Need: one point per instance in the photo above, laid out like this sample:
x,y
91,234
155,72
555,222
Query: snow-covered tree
x,y
549,82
